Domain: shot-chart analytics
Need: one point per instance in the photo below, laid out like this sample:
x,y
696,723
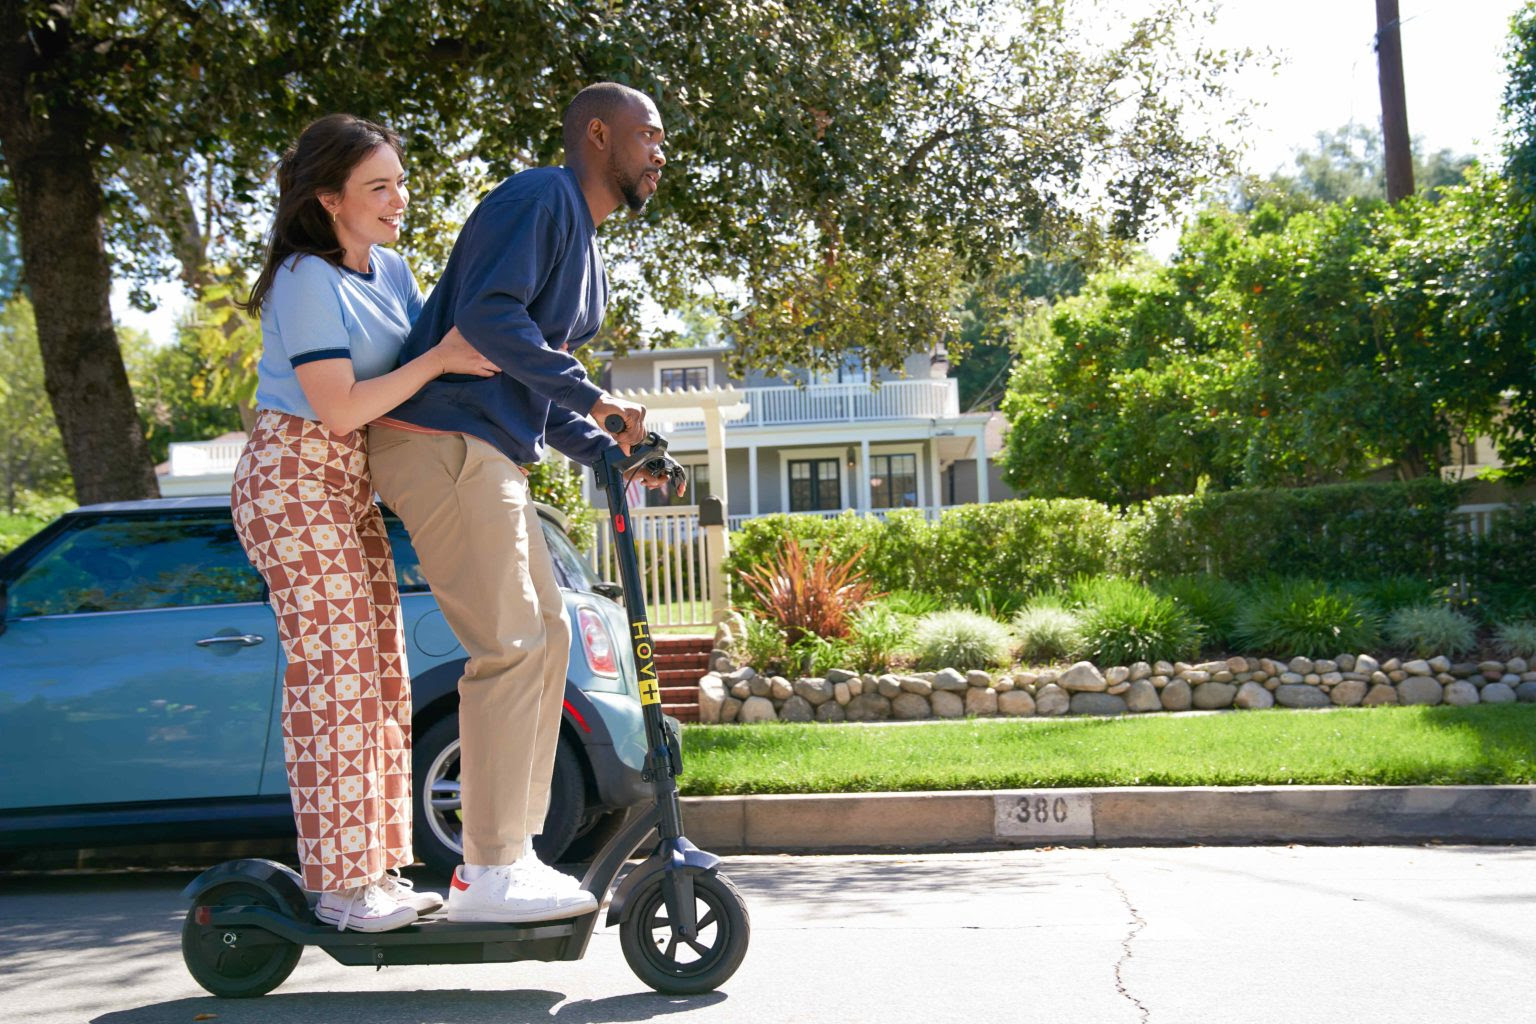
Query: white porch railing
x,y
844,403
670,547
204,458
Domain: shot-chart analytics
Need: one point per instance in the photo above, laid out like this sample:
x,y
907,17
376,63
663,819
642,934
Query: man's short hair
x,y
603,100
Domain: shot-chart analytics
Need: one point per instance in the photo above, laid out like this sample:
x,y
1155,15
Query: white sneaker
x,y
402,890
546,875
365,908
512,894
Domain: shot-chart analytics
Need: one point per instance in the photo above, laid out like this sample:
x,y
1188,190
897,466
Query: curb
x,y
1231,816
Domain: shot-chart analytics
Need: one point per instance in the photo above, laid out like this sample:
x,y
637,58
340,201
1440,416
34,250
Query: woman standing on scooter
x,y
335,309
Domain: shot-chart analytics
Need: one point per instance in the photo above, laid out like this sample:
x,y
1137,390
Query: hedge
x,y
1337,533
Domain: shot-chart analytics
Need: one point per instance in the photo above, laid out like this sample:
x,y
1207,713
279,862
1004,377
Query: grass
x,y
1348,746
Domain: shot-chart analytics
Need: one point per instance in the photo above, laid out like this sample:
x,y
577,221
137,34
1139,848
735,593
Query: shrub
x,y
1391,593
1046,632
765,647
813,655
877,634
959,639
1429,629
1211,601
911,603
1121,621
993,602
805,596
1306,617
1516,639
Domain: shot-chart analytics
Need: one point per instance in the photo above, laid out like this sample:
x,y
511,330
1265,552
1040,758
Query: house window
x,y
814,485
893,481
682,378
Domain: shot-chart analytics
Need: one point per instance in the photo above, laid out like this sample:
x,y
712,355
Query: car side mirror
x,y
612,591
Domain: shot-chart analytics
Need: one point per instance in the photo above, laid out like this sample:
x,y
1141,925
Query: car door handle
x,y
244,640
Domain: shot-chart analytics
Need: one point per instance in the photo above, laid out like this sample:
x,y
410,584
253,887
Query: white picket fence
x,y
670,547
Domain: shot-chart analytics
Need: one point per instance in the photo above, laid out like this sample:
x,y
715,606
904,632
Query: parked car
x,y
141,687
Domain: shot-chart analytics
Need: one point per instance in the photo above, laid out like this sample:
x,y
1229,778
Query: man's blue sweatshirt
x,y
526,285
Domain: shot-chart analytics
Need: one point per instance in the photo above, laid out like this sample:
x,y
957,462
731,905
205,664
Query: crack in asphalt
x,y
1125,950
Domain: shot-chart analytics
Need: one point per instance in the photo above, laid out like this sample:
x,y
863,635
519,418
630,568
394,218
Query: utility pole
x,y
1394,106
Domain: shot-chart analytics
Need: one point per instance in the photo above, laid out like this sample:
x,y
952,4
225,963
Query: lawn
x,y
1348,746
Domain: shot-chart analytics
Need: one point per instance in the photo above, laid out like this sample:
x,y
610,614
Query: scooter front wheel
x,y
219,961
672,964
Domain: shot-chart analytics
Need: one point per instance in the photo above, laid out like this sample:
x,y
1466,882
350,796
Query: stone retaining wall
x,y
732,693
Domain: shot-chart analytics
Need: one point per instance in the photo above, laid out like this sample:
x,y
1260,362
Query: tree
x,y
1348,163
849,164
32,457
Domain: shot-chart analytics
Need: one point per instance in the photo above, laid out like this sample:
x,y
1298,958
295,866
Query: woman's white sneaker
x,y
403,891
366,908
553,877
512,894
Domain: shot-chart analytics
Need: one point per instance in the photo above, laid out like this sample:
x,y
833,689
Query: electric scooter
x,y
683,926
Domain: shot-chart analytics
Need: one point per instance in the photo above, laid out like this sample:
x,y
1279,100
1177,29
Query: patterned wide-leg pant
x,y
303,507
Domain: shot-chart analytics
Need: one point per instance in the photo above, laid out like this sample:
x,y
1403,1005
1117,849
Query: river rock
x,y
976,677
1379,694
1254,697
797,709
1365,664
916,685
817,691
1420,690
1018,703
1497,693
1209,696
1177,696
981,702
869,707
948,679
1418,667
1091,703
888,686
910,706
1461,693
840,675
1141,697
1083,677
947,704
1349,693
1290,695
1526,693
831,711
756,709
1051,699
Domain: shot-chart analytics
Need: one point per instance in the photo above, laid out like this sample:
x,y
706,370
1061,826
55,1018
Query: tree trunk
x,y
58,207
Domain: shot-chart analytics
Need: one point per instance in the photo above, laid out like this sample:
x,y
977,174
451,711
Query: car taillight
x,y
596,641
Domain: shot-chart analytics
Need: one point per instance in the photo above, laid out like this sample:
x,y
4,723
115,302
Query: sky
x,y
1452,65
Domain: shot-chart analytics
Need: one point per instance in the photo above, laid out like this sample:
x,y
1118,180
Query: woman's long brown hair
x,y
320,161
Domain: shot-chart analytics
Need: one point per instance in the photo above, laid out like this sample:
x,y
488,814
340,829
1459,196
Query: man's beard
x,y
629,186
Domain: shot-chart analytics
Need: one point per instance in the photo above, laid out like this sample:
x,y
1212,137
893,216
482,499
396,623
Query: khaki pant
x,y
482,549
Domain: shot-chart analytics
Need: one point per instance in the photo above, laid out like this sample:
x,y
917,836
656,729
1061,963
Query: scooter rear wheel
x,y
220,963
677,966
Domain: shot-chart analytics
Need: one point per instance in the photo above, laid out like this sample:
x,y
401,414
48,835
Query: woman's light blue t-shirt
x,y
318,311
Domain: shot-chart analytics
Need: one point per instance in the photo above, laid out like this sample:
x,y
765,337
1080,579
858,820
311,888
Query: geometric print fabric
x,y
303,508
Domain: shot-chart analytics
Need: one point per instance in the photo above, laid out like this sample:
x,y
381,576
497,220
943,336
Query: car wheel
x,y
439,826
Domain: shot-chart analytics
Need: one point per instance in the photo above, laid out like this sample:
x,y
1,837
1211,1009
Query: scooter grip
x,y
614,423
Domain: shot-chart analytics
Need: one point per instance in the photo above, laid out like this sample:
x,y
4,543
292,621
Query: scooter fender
x,y
277,880
679,855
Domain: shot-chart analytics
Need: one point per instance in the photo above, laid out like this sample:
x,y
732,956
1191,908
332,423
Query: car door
x,y
139,660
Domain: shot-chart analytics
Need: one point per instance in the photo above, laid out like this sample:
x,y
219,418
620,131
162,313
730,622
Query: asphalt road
x,y
1233,935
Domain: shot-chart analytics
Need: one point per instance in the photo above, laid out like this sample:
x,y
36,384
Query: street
x,y
1229,934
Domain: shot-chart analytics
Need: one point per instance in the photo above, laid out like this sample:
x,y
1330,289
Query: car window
x,y
130,563
407,566
575,572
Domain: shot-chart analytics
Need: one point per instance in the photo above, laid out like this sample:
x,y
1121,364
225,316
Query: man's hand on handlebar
x,y
632,414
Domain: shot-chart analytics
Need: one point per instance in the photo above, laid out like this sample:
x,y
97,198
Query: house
x,y
817,443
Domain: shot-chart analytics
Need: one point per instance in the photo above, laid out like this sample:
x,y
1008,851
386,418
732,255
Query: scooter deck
x,y
434,939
